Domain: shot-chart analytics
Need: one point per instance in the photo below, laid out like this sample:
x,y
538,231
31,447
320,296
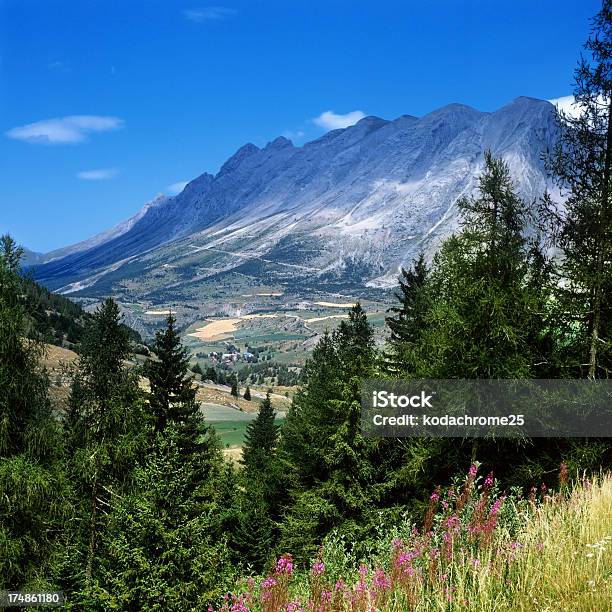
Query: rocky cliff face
x,y
352,206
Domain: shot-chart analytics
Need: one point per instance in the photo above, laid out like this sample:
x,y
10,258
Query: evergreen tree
x,y
211,374
254,534
340,479
234,385
166,541
107,430
488,317
197,369
408,320
484,307
165,551
582,228
247,393
33,488
10,255
172,396
260,438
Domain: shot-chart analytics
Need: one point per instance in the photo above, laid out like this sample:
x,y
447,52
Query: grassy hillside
x,y
477,550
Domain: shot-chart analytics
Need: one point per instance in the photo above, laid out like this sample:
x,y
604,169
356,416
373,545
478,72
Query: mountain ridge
x,y
353,204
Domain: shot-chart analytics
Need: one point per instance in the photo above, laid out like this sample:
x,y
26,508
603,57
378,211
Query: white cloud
x,y
294,134
102,174
208,13
62,130
176,188
567,104
332,121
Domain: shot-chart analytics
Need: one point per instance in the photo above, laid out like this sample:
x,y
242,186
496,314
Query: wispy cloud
x,y
567,104
62,130
176,188
101,174
332,121
294,134
208,13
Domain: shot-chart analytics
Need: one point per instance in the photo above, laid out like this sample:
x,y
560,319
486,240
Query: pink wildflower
x,y
497,504
269,583
381,581
318,567
284,565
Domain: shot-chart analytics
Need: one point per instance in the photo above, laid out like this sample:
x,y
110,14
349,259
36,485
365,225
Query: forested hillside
x,y
52,318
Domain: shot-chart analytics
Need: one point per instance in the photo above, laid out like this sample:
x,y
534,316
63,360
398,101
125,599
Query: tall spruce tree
x,y
172,397
408,320
260,438
106,433
33,487
339,477
166,545
582,228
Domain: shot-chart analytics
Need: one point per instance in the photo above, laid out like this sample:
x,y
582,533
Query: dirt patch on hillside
x,y
222,328
334,305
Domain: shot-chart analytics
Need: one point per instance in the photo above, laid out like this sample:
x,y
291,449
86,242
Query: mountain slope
x,y
344,210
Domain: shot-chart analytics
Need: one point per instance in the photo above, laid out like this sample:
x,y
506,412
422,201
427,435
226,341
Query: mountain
x,y
32,258
339,213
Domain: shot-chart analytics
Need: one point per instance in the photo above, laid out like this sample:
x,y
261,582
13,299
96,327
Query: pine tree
x,y
172,396
582,228
106,434
488,317
197,369
247,393
253,534
260,438
408,320
165,551
33,488
166,541
338,477
234,385
484,307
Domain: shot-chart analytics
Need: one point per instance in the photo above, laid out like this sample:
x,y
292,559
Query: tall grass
x,y
476,550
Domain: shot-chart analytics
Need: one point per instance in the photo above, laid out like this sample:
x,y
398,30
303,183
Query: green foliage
x,y
196,369
484,307
210,374
172,396
341,479
234,385
32,479
260,438
247,393
408,321
582,229
107,431
163,550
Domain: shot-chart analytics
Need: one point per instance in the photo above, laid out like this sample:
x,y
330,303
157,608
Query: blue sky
x,y
106,103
